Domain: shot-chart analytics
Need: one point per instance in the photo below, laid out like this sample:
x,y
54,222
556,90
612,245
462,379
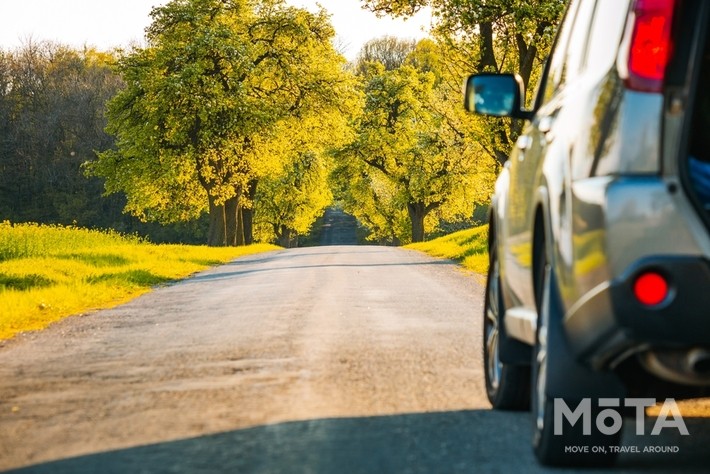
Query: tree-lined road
x,y
327,359
338,228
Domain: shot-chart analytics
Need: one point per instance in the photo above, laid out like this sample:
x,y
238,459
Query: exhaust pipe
x,y
686,366
698,361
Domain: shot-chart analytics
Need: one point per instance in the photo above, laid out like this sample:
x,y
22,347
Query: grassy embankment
x,y
50,272
467,247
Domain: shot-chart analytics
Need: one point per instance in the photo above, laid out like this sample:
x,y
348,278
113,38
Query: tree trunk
x,y
487,61
231,213
239,226
417,213
248,225
216,236
284,237
527,55
248,213
224,223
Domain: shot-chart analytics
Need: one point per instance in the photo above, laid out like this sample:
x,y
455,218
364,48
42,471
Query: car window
x,y
556,61
605,36
566,59
577,47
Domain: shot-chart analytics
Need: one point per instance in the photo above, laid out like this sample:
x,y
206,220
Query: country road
x,y
337,359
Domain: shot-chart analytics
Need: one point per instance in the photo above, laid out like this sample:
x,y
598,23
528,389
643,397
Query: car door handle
x,y
545,124
523,142
545,127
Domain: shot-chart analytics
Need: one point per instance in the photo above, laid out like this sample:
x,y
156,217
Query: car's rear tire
x,y
507,385
571,447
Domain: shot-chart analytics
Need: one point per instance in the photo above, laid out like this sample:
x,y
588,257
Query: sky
x,y
106,24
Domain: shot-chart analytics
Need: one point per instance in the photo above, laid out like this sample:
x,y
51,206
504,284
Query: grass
x,y
468,247
50,272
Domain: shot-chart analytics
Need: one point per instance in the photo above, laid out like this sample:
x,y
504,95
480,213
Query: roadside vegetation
x,y
50,272
239,121
467,247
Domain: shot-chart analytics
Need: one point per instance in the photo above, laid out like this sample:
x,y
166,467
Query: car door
x,y
531,149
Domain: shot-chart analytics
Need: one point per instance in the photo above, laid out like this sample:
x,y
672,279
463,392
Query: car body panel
x,y
598,164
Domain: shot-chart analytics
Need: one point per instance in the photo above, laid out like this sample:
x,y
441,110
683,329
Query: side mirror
x,y
499,95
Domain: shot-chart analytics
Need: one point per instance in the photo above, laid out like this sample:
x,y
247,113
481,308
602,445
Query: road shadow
x,y
207,277
288,260
309,252
471,441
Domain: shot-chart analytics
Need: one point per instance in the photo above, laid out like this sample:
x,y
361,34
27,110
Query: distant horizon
x,y
113,24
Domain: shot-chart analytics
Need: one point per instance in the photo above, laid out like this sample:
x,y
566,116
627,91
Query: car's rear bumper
x,y
611,323
683,318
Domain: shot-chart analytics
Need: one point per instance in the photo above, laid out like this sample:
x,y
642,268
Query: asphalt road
x,y
339,359
338,228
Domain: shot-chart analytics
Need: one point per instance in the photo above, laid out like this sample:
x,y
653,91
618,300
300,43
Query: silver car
x,y
598,291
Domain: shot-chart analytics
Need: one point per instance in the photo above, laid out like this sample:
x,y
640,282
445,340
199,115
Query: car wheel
x,y
572,446
507,385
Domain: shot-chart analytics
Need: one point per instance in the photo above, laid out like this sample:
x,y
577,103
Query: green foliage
x,y
396,7
51,120
233,108
52,102
491,35
290,198
214,82
410,164
427,56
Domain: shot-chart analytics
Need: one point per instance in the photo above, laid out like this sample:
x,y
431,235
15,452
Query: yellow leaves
x,y
223,94
297,190
414,147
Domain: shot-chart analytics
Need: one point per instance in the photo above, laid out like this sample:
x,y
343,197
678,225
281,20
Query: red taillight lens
x,y
651,288
651,44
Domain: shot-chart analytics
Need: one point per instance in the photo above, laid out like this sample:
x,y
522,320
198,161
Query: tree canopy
x,y
492,36
240,117
51,120
409,163
214,81
297,191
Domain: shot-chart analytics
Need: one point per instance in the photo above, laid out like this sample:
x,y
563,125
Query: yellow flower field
x,y
50,272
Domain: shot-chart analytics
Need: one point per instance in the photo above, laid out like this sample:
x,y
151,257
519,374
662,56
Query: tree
x,y
406,156
389,51
488,35
372,199
52,101
292,197
292,200
200,100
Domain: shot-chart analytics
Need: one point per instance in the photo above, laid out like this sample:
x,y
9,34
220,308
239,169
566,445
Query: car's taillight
x,y
651,44
651,288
